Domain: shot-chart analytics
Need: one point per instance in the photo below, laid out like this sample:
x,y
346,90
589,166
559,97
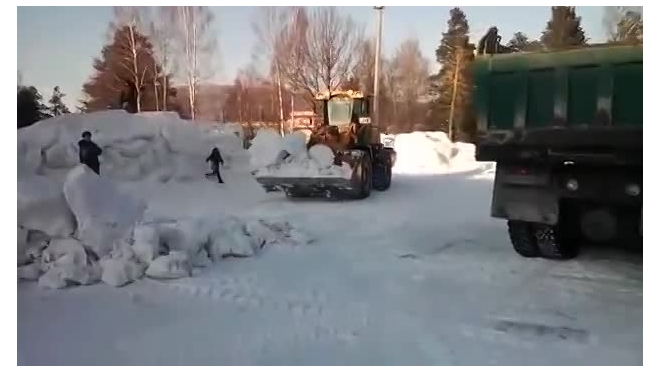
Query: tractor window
x,y
340,111
361,107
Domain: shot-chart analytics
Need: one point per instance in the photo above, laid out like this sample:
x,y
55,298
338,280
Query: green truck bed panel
x,y
600,85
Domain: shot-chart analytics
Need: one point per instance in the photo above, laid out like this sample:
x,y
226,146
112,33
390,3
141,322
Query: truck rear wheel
x,y
554,242
523,239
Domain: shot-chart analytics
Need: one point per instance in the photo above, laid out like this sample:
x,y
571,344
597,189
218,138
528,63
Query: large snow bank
x,y
273,155
42,207
431,153
162,250
103,212
114,245
156,145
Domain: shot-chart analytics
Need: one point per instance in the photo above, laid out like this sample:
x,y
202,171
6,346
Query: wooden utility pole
x,y
291,114
377,67
279,96
457,52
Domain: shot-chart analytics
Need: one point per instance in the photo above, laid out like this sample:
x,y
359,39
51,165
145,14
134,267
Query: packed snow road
x,y
416,275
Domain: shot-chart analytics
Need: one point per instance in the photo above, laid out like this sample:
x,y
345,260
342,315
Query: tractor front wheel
x,y
382,176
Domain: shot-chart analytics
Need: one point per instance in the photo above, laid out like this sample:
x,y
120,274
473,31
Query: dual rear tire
x,y
532,240
577,224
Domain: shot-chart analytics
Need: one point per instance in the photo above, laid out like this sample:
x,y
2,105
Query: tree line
x,y
31,107
148,48
311,50
299,52
450,108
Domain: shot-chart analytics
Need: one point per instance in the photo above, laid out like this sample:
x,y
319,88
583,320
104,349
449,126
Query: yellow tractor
x,y
347,129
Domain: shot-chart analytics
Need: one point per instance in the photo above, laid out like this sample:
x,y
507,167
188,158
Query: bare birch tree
x,y
323,47
195,45
623,23
613,16
410,72
364,69
131,47
270,28
161,31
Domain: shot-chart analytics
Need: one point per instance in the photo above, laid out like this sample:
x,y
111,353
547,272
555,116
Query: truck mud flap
x,y
525,204
528,198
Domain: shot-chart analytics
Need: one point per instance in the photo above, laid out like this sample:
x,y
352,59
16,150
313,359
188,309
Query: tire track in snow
x,y
309,308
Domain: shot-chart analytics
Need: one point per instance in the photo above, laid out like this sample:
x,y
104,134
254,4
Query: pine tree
x,y
30,106
563,29
451,87
57,106
456,35
522,43
123,79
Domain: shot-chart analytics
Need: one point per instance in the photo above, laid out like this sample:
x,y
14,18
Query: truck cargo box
x,y
548,106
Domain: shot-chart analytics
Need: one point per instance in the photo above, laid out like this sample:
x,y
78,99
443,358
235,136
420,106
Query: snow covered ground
x,y
416,275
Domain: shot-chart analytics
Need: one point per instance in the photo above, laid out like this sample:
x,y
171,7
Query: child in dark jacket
x,y
89,152
216,159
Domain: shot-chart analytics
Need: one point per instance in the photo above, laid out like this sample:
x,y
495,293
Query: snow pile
x,y
213,238
175,265
42,207
104,213
118,271
64,230
153,145
431,153
273,155
65,262
111,243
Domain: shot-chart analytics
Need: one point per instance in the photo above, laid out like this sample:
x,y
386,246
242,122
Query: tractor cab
x,y
347,115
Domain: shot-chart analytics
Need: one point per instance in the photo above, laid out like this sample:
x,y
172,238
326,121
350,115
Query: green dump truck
x,y
565,129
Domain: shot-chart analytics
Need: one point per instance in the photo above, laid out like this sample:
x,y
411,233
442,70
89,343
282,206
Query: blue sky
x,y
56,44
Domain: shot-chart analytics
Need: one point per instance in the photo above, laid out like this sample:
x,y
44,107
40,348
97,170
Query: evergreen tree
x,y
123,79
57,106
563,29
451,87
521,42
30,106
457,35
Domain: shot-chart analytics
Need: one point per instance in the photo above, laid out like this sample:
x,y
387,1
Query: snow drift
x,y
78,228
104,213
273,155
42,207
417,153
153,145
161,250
431,152
111,243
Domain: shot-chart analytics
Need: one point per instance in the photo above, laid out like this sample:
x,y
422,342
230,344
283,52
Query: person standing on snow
x,y
89,152
216,160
